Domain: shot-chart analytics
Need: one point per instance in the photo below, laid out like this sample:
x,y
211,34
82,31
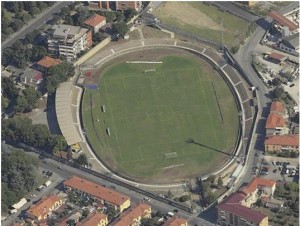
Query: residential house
x,y
280,143
74,216
12,72
175,221
257,188
95,22
66,40
275,124
94,219
290,44
133,216
283,21
46,63
106,196
31,77
277,58
123,5
44,208
232,212
278,107
99,5
272,203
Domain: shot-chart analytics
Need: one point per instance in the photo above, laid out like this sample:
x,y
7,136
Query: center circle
x,y
160,116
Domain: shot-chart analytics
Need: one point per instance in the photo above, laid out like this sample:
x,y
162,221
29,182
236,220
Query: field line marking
x,y
203,50
245,101
248,119
237,83
112,51
223,66
108,101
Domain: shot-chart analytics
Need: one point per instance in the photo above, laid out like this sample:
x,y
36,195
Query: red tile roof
x,y
277,106
128,217
96,190
284,140
275,120
94,20
43,206
48,62
282,20
175,221
93,219
232,205
256,181
277,56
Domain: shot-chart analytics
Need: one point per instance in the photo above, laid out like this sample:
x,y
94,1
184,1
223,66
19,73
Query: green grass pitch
x,y
157,113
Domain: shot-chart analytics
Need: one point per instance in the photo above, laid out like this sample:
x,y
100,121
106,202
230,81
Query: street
x,y
34,24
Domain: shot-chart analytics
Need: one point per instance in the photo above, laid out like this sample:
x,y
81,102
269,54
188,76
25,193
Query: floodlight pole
x,y
222,35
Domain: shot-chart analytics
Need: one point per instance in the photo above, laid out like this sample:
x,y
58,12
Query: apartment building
x,y
94,219
68,41
133,217
123,5
44,208
231,212
104,195
280,143
175,221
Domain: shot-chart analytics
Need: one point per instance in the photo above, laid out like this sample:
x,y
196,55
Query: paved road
x,y
235,10
34,24
244,57
68,171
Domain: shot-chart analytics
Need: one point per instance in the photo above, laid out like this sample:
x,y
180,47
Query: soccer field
x,y
164,125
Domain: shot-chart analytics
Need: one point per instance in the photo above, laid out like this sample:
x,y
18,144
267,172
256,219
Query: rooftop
x,y
277,56
232,205
256,181
293,40
43,206
92,219
32,74
277,106
175,221
68,31
96,190
286,140
282,20
94,20
48,62
274,120
128,217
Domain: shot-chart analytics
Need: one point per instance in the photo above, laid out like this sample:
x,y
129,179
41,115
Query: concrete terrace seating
x,y
215,56
242,91
232,74
248,125
247,110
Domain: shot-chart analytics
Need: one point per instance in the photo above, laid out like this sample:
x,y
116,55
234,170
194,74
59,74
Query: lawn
x,y
204,21
154,114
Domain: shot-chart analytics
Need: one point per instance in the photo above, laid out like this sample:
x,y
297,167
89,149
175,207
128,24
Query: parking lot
x,y
278,168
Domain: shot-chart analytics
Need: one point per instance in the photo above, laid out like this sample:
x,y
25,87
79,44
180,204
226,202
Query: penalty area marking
x,y
144,62
172,166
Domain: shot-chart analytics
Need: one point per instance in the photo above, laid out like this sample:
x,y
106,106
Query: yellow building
x,y
44,208
104,195
134,216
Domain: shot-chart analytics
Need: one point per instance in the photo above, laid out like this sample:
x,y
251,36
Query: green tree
x,y
82,159
220,182
4,103
111,212
38,52
120,16
259,203
184,198
40,135
129,14
17,24
56,143
98,37
276,82
32,97
211,179
279,93
120,28
148,222
21,104
8,88
34,11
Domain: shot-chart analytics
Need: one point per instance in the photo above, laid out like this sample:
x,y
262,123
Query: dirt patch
x,y
186,14
150,32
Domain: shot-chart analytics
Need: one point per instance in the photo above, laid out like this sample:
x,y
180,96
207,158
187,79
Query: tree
x,y
120,16
279,93
40,135
148,222
129,14
111,212
56,143
120,28
82,160
211,179
21,104
32,97
259,203
210,197
276,82
170,194
17,24
8,88
38,52
184,198
34,11
220,182
98,37
4,103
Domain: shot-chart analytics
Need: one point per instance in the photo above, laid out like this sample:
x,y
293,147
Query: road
x,y
235,10
66,172
34,24
244,58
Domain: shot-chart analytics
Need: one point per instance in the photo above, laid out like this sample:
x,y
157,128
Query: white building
x,y
66,40
290,44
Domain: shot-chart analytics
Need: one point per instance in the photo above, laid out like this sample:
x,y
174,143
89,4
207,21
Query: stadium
x,y
160,115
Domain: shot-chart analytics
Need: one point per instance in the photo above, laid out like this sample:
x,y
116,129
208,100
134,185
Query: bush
x,y
184,198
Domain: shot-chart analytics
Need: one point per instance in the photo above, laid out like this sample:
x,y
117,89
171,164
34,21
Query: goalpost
x,y
149,71
170,155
